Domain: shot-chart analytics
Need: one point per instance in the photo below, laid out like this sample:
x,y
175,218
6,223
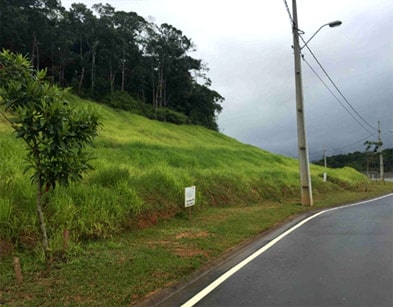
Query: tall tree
x,y
106,50
167,47
83,22
204,106
129,27
13,24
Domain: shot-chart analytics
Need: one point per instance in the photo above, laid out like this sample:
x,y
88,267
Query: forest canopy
x,y
114,57
361,161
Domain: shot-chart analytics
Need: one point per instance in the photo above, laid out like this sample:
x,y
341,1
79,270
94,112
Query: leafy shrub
x,y
124,101
168,115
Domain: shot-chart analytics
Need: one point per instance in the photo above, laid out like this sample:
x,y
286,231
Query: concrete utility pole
x,y
305,178
324,163
381,170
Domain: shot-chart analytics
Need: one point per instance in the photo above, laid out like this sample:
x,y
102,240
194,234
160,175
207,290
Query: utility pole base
x,y
307,199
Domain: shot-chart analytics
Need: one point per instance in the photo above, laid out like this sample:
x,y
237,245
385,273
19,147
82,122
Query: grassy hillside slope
x,y
141,169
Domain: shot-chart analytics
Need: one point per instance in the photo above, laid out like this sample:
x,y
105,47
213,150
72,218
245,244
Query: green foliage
x,y
55,133
376,145
204,105
358,160
170,116
100,52
124,101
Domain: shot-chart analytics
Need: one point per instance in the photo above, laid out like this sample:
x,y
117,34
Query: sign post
x,y
189,198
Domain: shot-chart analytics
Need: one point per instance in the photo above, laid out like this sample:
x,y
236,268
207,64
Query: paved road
x,y
342,257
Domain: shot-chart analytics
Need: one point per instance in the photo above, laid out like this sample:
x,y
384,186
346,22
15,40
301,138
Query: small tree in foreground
x,y
55,133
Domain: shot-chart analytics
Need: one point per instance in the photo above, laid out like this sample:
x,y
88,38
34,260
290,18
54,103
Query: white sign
x,y
189,196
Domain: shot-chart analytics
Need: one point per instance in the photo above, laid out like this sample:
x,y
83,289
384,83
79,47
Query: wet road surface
x,y
342,257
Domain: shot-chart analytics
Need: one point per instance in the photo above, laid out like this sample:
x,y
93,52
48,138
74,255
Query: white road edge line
x,y
199,296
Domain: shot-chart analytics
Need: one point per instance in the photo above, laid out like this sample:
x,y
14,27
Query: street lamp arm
x,y
304,165
330,24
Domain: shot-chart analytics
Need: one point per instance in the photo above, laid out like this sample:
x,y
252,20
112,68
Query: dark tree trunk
x,y
81,80
123,69
41,219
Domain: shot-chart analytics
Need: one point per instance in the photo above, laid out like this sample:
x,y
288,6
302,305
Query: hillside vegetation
x,y
141,169
359,160
105,54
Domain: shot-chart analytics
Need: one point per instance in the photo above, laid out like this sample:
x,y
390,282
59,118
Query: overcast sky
x,y
247,47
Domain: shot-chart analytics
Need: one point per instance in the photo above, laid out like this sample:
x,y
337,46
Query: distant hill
x,y
359,160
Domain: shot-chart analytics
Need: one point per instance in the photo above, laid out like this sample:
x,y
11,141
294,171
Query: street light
x,y
304,167
330,24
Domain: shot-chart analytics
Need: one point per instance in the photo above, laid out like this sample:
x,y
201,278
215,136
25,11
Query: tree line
x,y
112,56
361,161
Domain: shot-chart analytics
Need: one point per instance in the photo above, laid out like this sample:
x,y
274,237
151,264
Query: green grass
x,y
141,169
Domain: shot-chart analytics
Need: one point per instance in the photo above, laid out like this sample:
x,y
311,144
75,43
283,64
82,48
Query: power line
x,y
289,13
361,140
346,146
335,86
339,150
331,92
330,79
338,90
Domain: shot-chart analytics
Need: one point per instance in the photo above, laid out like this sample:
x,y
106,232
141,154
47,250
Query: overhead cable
x,y
336,87
289,13
346,146
359,141
331,92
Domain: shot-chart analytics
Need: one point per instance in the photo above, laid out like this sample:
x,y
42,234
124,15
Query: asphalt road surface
x,y
339,257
